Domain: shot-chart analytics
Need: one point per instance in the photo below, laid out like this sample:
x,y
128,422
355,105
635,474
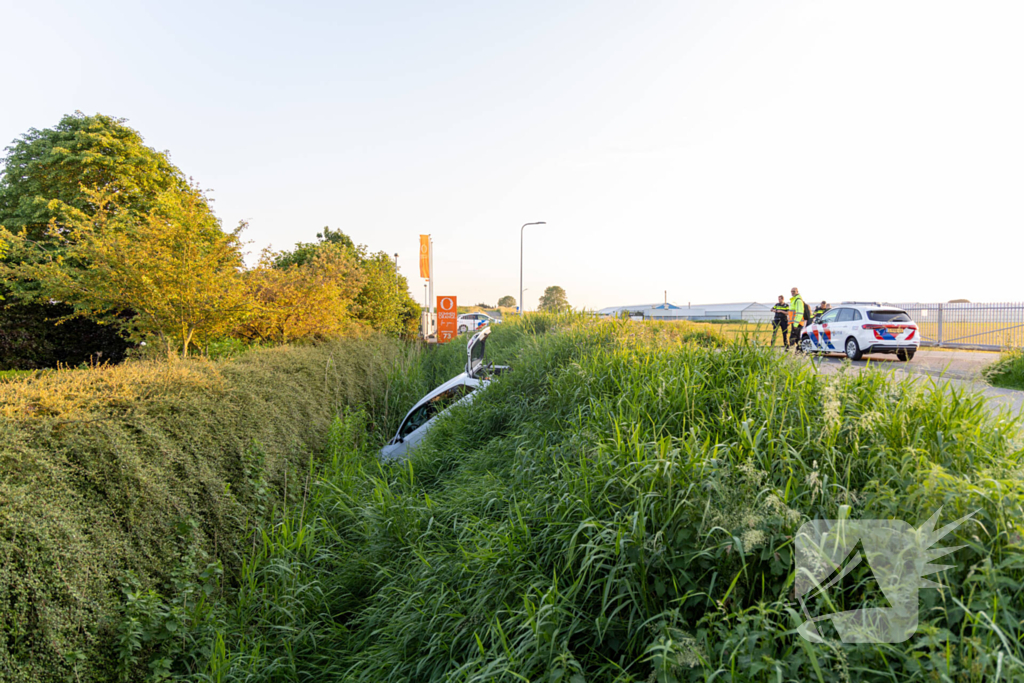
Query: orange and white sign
x,y
425,256
447,318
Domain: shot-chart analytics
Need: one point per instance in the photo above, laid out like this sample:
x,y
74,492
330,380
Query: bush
x,y
116,474
30,338
1008,371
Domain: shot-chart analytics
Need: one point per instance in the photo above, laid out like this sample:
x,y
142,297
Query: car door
x,y
824,332
843,327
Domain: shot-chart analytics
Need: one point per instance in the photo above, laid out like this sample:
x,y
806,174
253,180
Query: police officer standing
x,y
799,312
820,310
781,320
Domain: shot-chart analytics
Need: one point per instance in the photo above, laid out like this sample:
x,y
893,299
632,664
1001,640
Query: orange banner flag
x,y
425,256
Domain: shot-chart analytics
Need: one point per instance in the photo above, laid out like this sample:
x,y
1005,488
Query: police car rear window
x,y
889,316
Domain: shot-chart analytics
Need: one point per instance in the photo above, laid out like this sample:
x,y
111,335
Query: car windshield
x,y
889,316
434,406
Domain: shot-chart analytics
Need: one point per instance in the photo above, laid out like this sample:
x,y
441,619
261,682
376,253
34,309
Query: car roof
x,y
866,305
461,378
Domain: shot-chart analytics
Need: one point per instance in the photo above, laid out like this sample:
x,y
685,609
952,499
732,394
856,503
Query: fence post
x,y
939,340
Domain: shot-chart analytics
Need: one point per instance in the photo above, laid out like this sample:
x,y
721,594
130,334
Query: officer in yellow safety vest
x,y
798,313
781,321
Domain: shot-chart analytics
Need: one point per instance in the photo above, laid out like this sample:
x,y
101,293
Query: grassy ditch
x,y
621,507
117,481
1008,371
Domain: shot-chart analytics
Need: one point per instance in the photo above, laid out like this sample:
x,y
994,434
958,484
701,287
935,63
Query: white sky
x,y
724,151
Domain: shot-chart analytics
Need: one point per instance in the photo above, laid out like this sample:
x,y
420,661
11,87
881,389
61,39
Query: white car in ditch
x,y
459,390
856,328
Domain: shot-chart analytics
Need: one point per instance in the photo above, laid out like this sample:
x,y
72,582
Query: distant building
x,y
638,309
745,310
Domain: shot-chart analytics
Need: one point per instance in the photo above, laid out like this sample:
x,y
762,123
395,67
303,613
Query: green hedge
x,y
102,470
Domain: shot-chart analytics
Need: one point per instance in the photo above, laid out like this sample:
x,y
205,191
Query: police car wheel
x,y
805,345
462,328
905,355
853,349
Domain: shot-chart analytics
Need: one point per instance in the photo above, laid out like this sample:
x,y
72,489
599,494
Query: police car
x,y
472,321
856,328
460,389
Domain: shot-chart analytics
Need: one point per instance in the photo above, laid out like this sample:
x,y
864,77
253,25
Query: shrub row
x,y
116,473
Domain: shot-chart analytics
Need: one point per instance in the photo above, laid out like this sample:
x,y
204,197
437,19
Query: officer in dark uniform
x,y
820,310
781,320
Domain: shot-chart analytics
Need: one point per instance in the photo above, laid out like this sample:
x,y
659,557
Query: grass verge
x,y
1008,371
621,507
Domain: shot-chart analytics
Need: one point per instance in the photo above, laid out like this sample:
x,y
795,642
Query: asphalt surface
x,y
960,369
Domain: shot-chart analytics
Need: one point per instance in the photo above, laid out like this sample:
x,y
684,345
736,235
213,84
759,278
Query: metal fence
x,y
990,327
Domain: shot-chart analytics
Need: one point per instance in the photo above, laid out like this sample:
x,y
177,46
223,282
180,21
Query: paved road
x,y
959,368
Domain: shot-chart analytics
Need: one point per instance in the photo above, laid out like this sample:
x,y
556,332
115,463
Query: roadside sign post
x,y
447,318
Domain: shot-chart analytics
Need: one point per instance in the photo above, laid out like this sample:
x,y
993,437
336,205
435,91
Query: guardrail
x,y
988,327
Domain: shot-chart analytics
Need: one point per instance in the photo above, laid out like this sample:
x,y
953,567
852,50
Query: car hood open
x,y
475,351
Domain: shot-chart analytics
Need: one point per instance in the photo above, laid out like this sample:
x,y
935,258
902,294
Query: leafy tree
x,y
42,181
410,317
383,303
554,300
507,302
314,298
174,268
304,252
45,171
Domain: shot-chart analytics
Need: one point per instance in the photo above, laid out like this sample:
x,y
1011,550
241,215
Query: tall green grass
x,y
620,507
1008,371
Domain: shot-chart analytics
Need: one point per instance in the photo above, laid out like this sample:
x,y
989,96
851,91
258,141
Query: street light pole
x,y
522,309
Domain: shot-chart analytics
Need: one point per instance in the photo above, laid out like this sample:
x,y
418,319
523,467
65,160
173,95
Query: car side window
x,y
856,315
845,315
830,316
416,419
